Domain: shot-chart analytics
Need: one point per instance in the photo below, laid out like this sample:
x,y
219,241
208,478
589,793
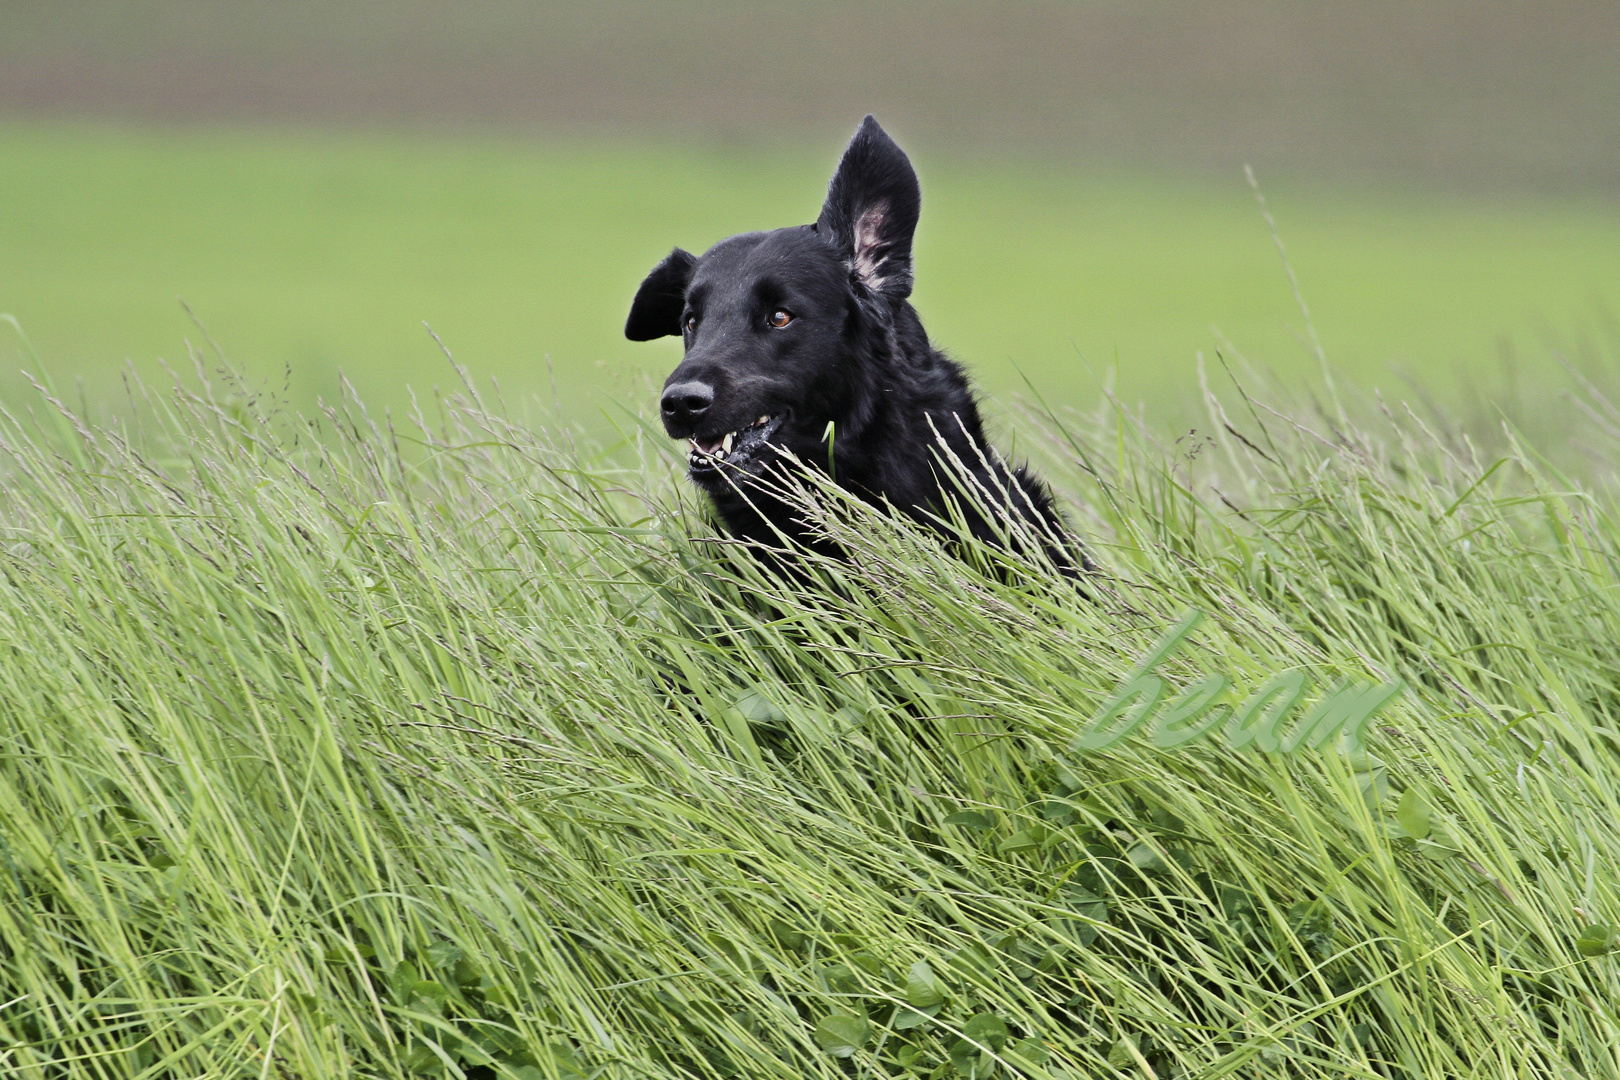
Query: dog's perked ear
x,y
871,211
656,310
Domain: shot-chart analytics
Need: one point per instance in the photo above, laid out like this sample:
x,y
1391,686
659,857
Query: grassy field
x,y
443,750
306,253
441,736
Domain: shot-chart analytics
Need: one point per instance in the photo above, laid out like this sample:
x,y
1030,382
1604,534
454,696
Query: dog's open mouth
x,y
735,448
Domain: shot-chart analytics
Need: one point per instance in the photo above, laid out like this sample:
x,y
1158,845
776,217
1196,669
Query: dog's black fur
x,y
802,340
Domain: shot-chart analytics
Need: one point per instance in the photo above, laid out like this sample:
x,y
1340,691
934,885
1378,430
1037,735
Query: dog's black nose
x,y
685,403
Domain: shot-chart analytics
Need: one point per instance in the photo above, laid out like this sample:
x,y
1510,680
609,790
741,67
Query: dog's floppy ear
x,y
656,310
871,211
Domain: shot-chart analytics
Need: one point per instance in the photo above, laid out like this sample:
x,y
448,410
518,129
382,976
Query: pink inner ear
x,y
868,227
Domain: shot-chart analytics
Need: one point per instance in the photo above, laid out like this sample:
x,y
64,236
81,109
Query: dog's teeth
x,y
762,421
725,443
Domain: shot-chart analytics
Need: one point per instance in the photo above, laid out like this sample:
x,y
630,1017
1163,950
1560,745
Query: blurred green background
x,y
318,180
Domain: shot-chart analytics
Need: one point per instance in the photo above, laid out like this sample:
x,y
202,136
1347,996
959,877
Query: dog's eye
x,y
779,319
691,324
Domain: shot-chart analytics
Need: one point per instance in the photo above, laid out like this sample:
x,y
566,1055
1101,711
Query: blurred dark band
x,y
1506,94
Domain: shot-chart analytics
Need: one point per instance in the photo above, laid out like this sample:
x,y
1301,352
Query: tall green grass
x,y
366,745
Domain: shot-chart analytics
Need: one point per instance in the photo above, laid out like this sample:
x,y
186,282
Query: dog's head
x,y
772,320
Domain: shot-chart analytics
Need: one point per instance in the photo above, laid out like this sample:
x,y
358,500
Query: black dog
x,y
802,339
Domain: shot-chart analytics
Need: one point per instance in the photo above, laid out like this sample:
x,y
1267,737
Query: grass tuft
x,y
349,747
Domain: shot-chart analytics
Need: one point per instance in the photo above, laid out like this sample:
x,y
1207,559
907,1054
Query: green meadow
x,y
449,749
457,744
307,254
